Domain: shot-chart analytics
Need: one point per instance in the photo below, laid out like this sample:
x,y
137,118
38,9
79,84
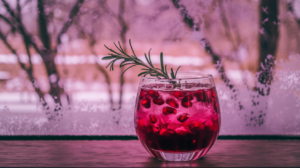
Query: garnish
x,y
133,61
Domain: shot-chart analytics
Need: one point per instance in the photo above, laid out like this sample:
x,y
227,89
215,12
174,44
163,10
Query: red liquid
x,y
177,121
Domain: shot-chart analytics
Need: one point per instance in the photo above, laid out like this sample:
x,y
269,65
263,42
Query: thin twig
x,y
69,21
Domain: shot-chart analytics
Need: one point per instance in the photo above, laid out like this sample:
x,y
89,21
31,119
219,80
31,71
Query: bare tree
x,y
268,40
91,34
290,7
28,69
47,52
216,59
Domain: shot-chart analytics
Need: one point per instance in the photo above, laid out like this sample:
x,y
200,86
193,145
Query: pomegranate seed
x,y
216,106
165,132
158,101
200,95
140,123
186,103
153,93
178,94
172,102
183,117
169,110
213,93
152,118
155,129
196,126
146,102
143,94
188,97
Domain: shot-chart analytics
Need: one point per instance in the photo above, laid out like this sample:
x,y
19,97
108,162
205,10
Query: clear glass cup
x,y
177,119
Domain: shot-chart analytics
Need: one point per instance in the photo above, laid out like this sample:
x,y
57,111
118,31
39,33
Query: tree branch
x,y
13,28
226,25
3,38
43,29
20,26
25,38
268,40
8,8
188,20
29,72
69,21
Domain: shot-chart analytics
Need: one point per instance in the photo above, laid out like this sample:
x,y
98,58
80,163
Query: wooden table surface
x,y
117,153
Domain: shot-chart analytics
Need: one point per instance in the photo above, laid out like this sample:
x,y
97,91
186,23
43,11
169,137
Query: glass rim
x,y
197,75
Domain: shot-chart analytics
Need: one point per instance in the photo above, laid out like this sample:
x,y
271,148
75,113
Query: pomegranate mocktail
x,y
177,120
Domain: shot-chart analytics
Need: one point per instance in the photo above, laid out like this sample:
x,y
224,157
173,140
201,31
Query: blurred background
x,y
53,81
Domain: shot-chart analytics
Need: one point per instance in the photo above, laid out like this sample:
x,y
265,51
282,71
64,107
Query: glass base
x,y
184,156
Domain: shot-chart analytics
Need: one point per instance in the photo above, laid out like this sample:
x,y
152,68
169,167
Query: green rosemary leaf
x,y
127,69
132,48
166,73
172,74
162,62
176,72
147,59
107,58
126,64
117,47
133,60
111,50
112,65
109,64
150,58
121,49
142,73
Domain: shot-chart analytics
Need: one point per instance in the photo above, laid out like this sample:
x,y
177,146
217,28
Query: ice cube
x,y
169,86
159,86
182,131
165,132
187,85
211,125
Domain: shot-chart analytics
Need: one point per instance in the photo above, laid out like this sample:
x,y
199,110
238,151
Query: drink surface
x,y
177,120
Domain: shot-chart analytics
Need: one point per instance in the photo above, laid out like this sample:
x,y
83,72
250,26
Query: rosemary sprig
x,y
133,61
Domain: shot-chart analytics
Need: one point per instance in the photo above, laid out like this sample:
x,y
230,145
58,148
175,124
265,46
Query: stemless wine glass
x,y
177,119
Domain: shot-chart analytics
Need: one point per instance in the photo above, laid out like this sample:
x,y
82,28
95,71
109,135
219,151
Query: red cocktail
x,y
177,115
177,120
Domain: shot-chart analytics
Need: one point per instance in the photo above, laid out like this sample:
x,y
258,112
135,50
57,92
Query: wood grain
x,y
232,153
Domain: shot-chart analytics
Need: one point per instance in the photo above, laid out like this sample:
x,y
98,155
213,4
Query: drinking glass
x,y
177,119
